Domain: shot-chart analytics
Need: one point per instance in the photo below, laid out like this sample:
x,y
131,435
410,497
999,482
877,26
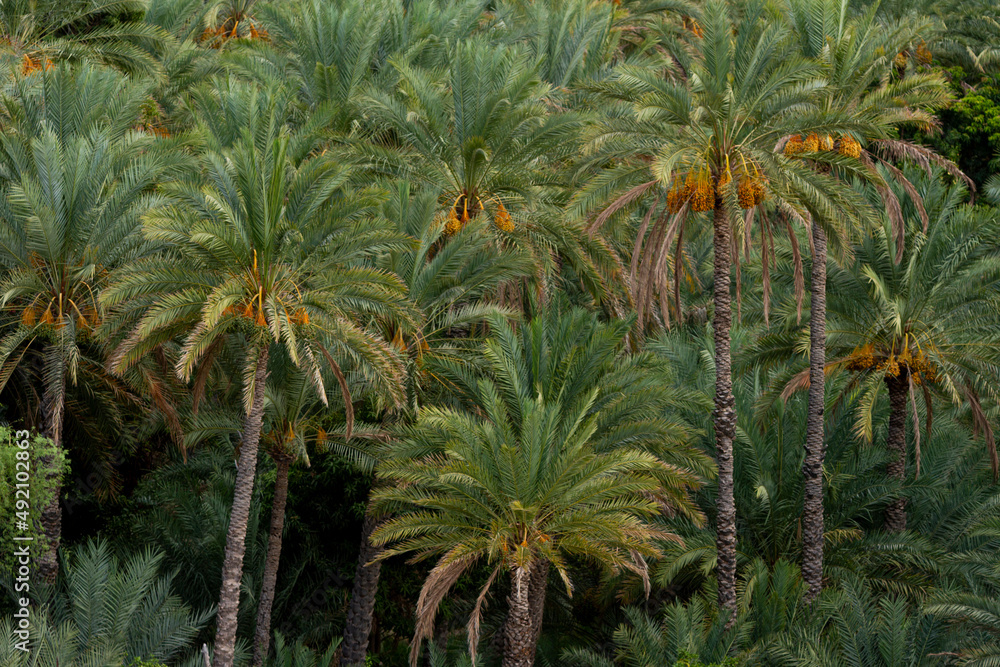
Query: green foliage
x,y
107,611
182,509
689,660
972,129
139,662
453,214
297,654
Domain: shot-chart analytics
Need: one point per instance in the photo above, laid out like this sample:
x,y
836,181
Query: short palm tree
x,y
109,611
704,141
851,626
920,325
522,494
574,362
73,195
270,252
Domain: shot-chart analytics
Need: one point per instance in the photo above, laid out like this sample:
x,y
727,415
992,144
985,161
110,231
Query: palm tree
x,y
521,496
73,194
267,251
296,418
917,325
853,627
570,367
857,55
484,134
109,611
704,141
293,412
571,40
332,52
920,324
449,283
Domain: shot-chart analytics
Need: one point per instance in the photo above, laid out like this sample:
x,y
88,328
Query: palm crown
x,y
76,187
271,250
564,454
515,493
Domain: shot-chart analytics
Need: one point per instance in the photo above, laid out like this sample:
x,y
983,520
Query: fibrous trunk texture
x,y
724,417
519,642
362,606
895,514
536,596
812,468
262,638
538,586
232,565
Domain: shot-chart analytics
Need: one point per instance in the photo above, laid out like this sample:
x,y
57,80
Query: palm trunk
x,y
724,417
812,468
232,566
895,514
51,517
536,596
262,640
362,605
538,586
519,643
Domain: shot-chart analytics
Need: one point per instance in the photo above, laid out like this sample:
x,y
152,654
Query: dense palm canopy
x,y
638,332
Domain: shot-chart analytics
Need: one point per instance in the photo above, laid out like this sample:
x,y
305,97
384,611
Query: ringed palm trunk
x,y
812,468
724,417
895,514
362,605
262,638
232,565
520,641
51,517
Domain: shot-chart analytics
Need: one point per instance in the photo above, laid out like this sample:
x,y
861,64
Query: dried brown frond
x,y
981,424
436,586
472,628
344,391
619,204
901,150
911,192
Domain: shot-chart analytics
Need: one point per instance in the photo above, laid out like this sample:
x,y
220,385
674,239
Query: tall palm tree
x,y
857,55
483,132
73,197
919,325
704,141
449,283
295,419
267,251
